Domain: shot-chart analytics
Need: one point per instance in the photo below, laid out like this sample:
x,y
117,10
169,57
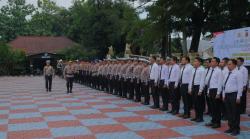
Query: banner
x,y
233,44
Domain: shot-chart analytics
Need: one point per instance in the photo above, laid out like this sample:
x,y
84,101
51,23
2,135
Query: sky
x,y
68,3
64,3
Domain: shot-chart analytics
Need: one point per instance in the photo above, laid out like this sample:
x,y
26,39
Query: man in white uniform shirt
x,y
207,99
173,81
232,92
154,77
243,70
224,68
163,77
195,88
214,85
185,77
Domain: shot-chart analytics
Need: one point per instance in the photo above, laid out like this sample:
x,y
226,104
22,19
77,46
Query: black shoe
x,y
170,111
193,119
216,126
186,116
145,103
228,131
235,133
137,100
175,113
209,124
199,120
163,109
154,107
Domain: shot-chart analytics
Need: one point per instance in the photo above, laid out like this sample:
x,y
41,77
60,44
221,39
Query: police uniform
x,y
232,90
214,90
48,72
163,92
154,78
196,86
173,82
243,70
144,76
185,77
69,75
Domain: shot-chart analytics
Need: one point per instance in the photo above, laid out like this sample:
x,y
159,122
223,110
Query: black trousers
x,y
131,86
163,93
174,97
199,101
215,105
145,92
207,99
69,83
124,88
233,111
155,93
137,90
121,82
48,82
243,101
186,98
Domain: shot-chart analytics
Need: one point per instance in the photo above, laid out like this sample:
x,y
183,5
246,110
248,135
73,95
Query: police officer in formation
x,y
219,88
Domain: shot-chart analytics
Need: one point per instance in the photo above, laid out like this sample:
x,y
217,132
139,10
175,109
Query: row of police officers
x,y
218,86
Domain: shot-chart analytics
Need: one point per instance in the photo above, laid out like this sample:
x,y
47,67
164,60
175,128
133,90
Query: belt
x,y
230,93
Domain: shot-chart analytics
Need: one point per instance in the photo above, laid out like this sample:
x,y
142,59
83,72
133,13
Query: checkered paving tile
x,y
27,111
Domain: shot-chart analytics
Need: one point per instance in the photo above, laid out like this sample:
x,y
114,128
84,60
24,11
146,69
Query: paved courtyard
x,y
27,111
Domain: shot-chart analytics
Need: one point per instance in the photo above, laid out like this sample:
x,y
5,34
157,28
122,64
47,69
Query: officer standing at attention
x,y
195,88
173,81
69,76
232,92
243,70
163,78
214,90
186,75
144,77
154,77
48,72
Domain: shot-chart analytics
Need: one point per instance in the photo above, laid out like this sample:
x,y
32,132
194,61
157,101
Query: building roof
x,y
41,44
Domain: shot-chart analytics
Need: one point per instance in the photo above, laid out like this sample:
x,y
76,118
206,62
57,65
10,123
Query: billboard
x,y
233,44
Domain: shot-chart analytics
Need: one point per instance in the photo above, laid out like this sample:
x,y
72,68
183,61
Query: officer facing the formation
x,y
48,72
69,76
232,92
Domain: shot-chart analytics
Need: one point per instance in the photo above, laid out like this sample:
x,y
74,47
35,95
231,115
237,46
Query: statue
x,y
127,50
110,53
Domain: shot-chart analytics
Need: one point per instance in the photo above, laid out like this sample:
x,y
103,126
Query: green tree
x,y
13,17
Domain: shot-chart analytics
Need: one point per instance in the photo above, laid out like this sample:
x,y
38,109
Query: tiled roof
x,y
41,44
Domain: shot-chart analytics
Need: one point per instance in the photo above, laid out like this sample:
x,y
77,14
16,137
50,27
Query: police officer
x,y
185,77
195,88
48,72
232,92
154,78
163,78
214,90
173,81
69,76
243,70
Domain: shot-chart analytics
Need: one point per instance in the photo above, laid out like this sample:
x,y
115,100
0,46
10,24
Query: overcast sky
x,y
64,3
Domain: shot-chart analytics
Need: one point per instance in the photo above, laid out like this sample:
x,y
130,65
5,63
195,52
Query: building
x,y
41,48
